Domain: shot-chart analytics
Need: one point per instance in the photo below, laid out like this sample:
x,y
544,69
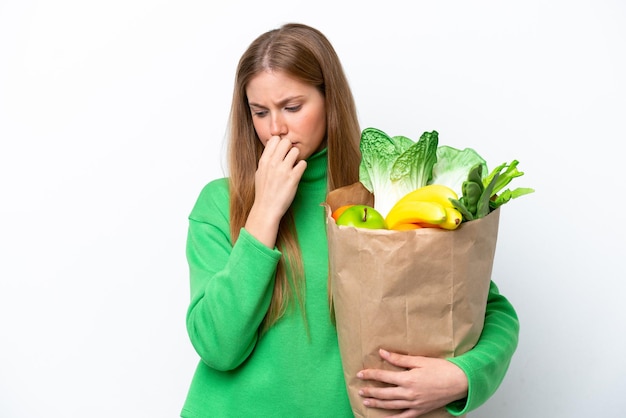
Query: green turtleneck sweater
x,y
289,372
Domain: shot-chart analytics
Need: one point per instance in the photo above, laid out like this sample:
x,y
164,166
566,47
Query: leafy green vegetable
x,y
471,195
460,206
502,180
414,167
480,194
507,195
506,177
392,167
453,165
378,154
483,209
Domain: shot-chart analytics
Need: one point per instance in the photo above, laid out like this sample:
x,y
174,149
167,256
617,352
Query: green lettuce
x,y
453,165
393,166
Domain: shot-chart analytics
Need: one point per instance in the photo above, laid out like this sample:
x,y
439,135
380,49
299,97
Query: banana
x,y
453,219
406,227
427,206
416,211
431,193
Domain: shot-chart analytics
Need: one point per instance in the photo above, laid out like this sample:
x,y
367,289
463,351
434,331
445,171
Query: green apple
x,y
362,216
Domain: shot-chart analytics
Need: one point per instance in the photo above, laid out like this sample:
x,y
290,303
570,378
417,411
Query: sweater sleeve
x,y
486,364
231,285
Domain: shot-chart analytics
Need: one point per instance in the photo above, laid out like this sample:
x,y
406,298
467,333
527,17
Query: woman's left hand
x,y
426,384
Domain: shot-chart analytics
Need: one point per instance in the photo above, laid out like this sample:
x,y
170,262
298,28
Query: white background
x,y
112,117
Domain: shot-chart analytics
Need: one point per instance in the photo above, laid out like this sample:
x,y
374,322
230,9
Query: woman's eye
x,y
259,113
293,108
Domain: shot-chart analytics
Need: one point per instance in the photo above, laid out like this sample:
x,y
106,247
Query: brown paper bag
x,y
418,292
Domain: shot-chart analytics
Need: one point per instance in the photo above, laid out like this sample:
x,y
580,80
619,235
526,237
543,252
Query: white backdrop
x,y
112,117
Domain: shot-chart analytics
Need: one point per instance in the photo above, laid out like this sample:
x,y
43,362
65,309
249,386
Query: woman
x,y
259,316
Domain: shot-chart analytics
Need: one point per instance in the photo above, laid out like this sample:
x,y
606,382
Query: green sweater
x,y
287,372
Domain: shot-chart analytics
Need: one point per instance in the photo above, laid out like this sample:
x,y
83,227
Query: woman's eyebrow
x,y
280,103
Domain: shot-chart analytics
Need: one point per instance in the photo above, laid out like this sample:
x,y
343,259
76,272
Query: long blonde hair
x,y
306,54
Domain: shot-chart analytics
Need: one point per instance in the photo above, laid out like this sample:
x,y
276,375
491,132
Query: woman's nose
x,y
278,127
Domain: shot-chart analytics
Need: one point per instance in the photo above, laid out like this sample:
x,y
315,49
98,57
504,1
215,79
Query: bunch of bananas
x,y
428,206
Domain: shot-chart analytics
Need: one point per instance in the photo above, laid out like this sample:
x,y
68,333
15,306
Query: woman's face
x,y
286,107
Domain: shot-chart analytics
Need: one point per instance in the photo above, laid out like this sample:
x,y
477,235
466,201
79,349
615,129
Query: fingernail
x,y
359,375
384,352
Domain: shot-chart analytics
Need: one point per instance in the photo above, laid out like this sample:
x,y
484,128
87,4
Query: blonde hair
x,y
306,54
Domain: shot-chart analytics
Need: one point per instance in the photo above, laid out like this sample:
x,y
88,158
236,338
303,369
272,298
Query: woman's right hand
x,y
276,181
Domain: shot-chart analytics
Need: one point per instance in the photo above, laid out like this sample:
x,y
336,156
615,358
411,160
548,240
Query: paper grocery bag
x,y
418,292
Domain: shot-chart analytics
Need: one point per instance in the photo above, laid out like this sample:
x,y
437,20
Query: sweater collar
x,y
317,167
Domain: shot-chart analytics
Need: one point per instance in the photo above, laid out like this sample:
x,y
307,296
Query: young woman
x,y
259,316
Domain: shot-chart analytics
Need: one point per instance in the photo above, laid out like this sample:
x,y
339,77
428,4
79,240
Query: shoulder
x,y
213,198
215,187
